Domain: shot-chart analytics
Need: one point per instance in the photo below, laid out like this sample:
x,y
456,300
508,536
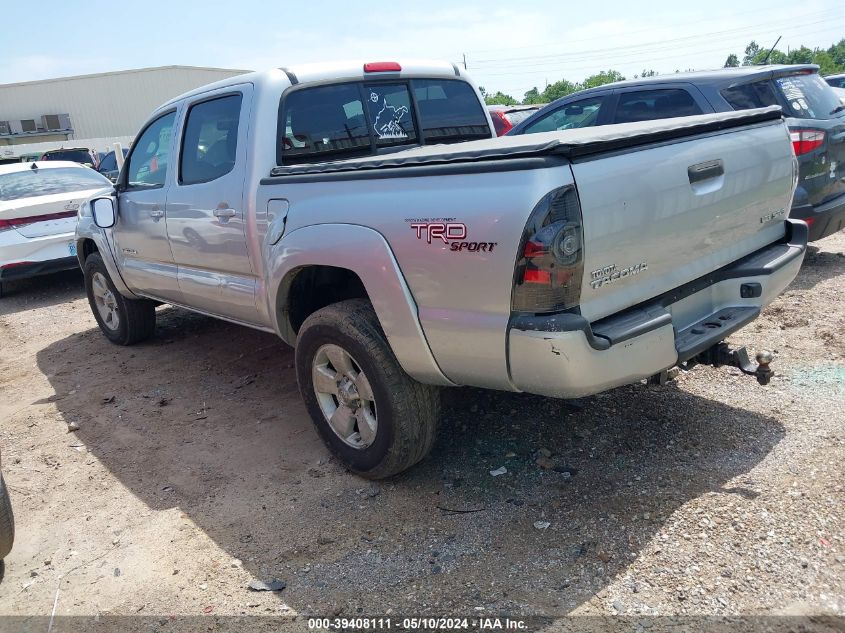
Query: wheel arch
x,y
319,265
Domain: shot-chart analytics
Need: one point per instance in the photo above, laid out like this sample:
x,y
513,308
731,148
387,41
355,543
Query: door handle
x,y
225,213
156,213
706,170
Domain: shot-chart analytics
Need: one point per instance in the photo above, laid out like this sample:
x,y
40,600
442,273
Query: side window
x,y
148,162
648,105
583,113
754,95
389,112
449,111
210,140
323,123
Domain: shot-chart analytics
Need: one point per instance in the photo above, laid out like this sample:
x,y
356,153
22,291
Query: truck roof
x,y
329,71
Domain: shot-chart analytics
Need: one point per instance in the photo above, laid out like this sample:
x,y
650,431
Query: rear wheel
x,y
374,417
124,321
7,521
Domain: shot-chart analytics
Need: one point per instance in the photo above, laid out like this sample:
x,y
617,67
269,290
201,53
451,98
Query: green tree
x,y
499,98
732,61
751,52
532,96
604,77
801,55
557,90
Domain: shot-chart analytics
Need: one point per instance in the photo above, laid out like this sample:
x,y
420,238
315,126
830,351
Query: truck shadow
x,y
819,265
206,417
39,292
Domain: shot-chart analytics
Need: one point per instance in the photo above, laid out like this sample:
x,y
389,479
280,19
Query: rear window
x,y
808,96
74,155
327,123
758,94
648,105
836,82
515,118
450,111
30,183
389,112
324,123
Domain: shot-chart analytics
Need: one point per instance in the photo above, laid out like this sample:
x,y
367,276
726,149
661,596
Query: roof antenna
x,y
34,166
766,60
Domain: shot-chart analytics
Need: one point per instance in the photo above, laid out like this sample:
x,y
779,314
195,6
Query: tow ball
x,y
721,354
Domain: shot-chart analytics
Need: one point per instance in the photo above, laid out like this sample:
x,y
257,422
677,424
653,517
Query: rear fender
x,y
366,253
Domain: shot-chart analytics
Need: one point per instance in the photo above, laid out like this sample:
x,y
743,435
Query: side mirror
x,y
103,212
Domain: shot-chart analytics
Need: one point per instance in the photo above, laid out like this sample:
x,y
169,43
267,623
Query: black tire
x,y
136,317
408,411
7,521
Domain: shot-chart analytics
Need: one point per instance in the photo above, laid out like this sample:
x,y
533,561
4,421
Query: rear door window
x,y
758,94
808,96
450,111
322,124
583,113
648,105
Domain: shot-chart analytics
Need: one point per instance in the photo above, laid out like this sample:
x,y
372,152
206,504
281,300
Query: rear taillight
x,y
804,141
500,122
551,255
14,223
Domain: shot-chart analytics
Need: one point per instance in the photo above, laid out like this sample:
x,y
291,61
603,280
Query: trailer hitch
x,y
721,354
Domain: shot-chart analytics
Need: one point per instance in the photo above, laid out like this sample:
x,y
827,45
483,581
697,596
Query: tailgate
x,y
656,217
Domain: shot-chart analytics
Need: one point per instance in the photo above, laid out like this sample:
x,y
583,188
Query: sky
x,y
509,46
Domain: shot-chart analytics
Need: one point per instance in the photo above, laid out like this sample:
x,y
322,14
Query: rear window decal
x,y
388,121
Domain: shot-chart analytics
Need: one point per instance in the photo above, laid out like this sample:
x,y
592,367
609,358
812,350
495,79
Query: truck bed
x,y
569,144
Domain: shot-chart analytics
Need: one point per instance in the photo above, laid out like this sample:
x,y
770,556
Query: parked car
x,y
815,116
837,81
505,117
39,203
108,165
81,155
396,272
7,521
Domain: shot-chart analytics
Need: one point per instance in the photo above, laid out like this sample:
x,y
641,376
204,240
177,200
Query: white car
x,y
39,202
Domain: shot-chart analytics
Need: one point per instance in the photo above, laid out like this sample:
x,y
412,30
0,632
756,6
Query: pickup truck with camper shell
x,y
367,215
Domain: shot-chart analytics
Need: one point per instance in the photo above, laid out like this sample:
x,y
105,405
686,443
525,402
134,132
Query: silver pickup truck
x,y
334,207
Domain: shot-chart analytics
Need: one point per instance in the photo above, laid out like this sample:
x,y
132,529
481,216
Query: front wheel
x,y
123,321
374,417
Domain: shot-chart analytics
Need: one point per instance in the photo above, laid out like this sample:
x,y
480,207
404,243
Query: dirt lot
x,y
195,471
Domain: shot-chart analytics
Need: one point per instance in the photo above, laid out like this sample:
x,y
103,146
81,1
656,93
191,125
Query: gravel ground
x,y
195,471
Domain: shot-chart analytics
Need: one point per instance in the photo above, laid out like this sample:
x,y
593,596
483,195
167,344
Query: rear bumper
x,y
565,356
22,257
24,270
824,219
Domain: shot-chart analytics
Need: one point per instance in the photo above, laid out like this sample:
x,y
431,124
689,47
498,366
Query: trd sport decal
x,y
454,234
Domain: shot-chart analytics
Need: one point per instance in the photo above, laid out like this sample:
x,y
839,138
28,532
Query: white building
x,y
99,109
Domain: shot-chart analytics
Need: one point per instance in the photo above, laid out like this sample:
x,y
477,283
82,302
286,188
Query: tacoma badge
x,y
609,274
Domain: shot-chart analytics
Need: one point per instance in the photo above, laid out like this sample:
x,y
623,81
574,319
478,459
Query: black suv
x,y
813,111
